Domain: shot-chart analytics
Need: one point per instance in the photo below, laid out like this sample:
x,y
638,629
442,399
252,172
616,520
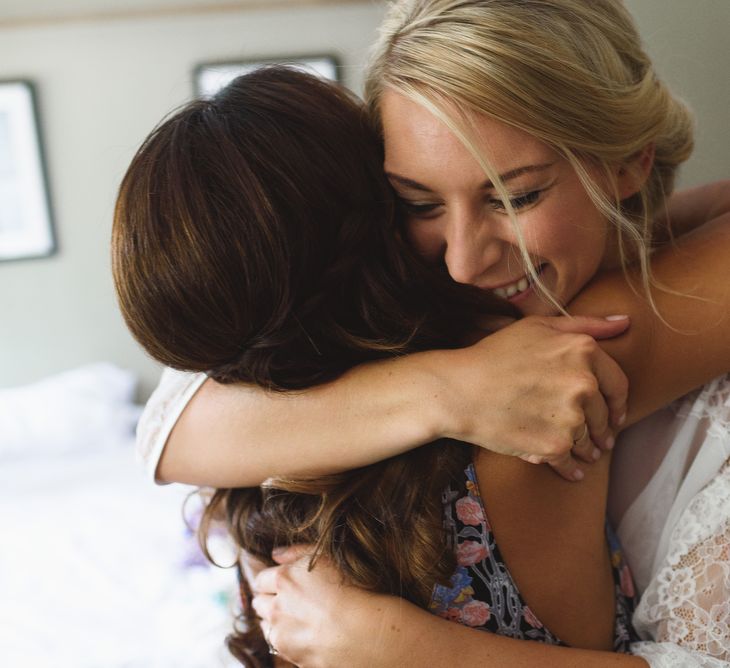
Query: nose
x,y
473,247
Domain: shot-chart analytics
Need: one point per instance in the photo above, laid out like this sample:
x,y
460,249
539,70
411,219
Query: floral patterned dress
x,y
482,593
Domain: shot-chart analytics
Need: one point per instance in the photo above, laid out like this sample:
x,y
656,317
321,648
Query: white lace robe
x,y
670,501
676,529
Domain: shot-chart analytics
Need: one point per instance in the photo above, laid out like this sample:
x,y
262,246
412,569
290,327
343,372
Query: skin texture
x,y
251,435
358,629
455,215
315,620
566,238
458,222
526,391
564,602
452,217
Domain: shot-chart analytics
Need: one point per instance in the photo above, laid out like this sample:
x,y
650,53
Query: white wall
x,y
104,84
689,41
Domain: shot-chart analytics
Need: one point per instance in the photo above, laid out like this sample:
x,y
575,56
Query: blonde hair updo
x,y
571,73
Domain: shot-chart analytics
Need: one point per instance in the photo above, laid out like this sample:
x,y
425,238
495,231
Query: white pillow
x,y
89,408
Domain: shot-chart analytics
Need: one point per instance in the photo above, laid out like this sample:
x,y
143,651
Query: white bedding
x,y
92,571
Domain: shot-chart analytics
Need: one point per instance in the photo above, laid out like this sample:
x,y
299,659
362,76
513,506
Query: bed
x,y
97,566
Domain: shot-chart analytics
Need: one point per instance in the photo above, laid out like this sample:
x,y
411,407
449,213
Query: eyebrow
x,y
507,176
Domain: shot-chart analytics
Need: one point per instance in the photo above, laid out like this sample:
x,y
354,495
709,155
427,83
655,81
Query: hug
x,y
409,336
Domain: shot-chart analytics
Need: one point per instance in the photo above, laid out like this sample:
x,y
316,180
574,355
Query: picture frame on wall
x,y
26,223
209,78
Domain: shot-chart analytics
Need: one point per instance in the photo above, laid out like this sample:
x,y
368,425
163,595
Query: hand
x,y
251,566
540,389
313,619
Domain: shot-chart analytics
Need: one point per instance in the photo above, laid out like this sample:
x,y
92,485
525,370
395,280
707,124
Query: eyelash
x,y
519,202
417,210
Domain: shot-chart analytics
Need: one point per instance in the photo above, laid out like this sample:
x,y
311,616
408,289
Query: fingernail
x,y
578,474
612,318
610,442
278,551
596,454
621,420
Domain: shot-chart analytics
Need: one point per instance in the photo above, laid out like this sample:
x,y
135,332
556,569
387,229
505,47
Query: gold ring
x,y
272,650
582,436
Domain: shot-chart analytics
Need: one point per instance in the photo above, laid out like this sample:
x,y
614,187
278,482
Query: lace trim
x,y
688,602
668,655
710,402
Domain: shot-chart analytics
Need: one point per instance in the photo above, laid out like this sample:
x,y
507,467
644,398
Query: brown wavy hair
x,y
256,238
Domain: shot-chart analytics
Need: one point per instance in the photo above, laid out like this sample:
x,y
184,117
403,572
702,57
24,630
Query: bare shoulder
x,y
689,320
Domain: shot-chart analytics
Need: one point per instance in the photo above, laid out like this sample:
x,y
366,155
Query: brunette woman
x,y
255,237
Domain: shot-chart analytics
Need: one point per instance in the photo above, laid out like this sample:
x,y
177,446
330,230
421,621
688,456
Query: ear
x,y
633,174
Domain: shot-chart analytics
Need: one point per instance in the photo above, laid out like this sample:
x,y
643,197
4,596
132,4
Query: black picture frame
x,y
208,78
26,217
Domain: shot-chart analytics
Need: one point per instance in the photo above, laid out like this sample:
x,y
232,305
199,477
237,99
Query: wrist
x,y
443,407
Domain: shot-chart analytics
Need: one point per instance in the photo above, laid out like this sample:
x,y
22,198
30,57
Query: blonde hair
x,y
571,73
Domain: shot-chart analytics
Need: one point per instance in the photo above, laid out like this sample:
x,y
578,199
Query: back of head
x,y
571,73
254,237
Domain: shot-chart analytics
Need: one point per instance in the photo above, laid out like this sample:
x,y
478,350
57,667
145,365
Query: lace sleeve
x,y
174,392
710,403
686,608
669,655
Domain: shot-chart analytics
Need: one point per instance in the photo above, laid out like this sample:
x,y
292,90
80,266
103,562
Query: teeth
x,y
508,291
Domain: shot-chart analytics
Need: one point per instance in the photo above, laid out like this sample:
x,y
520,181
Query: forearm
x,y
520,391
410,636
239,435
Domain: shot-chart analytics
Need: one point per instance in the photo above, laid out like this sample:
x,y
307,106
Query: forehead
x,y
415,139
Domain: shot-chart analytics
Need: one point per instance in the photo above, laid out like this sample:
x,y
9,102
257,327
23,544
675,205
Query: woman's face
x,y
454,214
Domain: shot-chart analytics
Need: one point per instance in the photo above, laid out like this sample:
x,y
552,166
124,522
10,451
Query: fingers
x,y
290,554
614,387
563,464
598,328
598,431
251,566
262,605
266,582
272,633
612,381
566,467
583,446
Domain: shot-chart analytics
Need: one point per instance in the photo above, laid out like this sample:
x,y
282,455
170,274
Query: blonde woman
x,y
494,115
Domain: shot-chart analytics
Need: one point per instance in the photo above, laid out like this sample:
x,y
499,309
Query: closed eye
x,y
418,209
519,202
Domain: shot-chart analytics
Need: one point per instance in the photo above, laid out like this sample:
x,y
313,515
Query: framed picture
x,y
26,226
209,78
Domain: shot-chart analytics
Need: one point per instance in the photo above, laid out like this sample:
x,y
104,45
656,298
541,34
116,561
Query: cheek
x,y
427,240
579,248
572,238
549,232
580,229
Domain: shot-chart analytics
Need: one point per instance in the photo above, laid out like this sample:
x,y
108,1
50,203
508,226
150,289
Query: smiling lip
x,y
521,296
516,290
